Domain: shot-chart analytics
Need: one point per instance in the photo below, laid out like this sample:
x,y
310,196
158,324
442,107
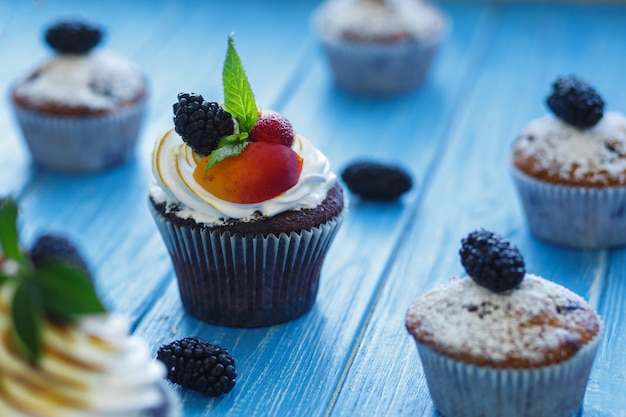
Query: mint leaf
x,y
8,230
238,95
68,292
27,315
226,151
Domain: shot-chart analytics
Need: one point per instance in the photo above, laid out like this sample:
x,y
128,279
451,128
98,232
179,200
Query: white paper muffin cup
x,y
81,143
246,280
460,389
578,217
379,69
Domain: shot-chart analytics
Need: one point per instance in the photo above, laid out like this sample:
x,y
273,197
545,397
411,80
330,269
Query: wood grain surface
x,y
351,355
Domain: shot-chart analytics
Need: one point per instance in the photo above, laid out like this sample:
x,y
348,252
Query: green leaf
x,y
225,151
8,230
238,95
67,291
27,315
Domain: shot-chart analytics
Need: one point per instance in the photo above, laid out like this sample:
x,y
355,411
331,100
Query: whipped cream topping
x,y
98,81
173,164
462,317
380,19
92,369
569,152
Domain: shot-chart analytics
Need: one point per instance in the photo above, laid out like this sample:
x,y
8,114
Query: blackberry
x,y
492,261
199,365
201,124
51,246
73,36
575,102
376,181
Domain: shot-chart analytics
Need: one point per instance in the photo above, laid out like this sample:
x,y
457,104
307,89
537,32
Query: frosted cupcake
x,y
570,169
379,47
503,343
62,355
80,110
247,208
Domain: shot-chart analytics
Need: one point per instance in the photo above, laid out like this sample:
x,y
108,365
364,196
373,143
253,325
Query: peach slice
x,y
262,171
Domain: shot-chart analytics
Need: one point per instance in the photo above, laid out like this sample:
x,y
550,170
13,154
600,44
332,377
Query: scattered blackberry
x,y
73,36
575,102
199,365
376,181
492,261
50,246
200,123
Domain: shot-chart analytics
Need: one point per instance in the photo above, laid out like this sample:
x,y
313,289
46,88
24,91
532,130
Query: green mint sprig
x,y
239,102
54,289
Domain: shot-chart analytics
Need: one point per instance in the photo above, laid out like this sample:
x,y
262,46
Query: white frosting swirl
x,y
93,369
173,164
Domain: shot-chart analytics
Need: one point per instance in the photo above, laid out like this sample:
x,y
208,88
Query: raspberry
x,y
50,247
199,365
376,181
274,128
492,261
73,37
201,124
575,102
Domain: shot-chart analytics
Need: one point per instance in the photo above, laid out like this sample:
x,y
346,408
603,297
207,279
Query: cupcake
x,y
80,110
62,354
379,47
570,169
247,208
504,342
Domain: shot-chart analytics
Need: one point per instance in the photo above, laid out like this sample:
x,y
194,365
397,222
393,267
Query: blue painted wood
x,y
350,355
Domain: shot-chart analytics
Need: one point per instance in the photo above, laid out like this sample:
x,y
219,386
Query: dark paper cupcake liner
x,y
246,280
81,143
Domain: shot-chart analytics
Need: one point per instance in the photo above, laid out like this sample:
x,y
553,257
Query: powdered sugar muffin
x,y
570,169
80,110
503,342
379,47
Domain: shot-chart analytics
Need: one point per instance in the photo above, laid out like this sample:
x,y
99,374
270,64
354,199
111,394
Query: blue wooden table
x,y
351,355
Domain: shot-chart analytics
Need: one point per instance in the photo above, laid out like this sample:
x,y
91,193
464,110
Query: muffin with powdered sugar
x,y
503,342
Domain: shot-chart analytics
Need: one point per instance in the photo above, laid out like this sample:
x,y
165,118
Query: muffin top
x,y
380,20
76,81
81,85
578,145
502,317
552,150
536,324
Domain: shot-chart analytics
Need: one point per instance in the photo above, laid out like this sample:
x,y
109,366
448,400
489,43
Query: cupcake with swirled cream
x,y
246,207
570,169
62,354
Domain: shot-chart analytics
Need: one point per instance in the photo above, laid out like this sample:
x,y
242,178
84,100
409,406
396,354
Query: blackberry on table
x,y
50,247
73,36
200,123
575,102
376,181
492,261
199,365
